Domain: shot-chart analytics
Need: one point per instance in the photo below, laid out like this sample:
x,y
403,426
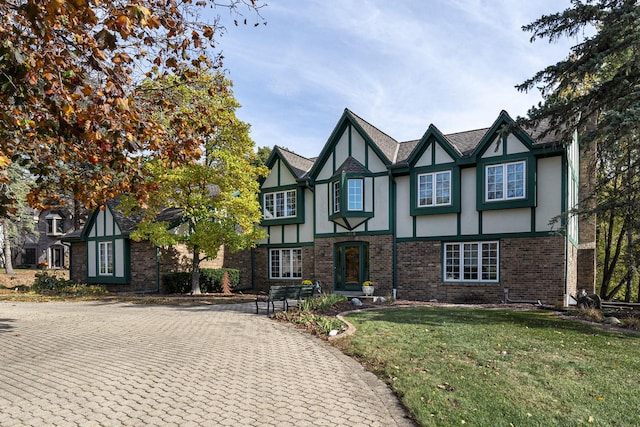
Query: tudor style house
x,y
463,217
102,252
45,247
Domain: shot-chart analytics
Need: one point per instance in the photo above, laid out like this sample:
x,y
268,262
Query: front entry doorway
x,y
351,262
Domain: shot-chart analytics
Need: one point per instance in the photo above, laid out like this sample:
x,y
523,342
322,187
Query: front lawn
x,y
480,367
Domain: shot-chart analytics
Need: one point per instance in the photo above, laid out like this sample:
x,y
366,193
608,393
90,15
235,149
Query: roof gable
x,y
501,127
108,219
351,166
381,144
433,135
298,165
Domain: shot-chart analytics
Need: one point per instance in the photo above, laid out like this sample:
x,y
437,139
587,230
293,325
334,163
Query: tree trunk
x,y
7,249
195,272
630,267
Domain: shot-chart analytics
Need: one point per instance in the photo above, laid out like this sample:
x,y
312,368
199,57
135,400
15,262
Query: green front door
x,y
351,263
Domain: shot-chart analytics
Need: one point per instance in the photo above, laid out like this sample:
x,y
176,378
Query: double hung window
x,y
105,258
285,263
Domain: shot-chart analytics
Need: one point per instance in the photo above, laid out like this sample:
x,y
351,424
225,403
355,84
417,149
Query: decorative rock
x,y
378,300
433,300
612,320
333,333
356,302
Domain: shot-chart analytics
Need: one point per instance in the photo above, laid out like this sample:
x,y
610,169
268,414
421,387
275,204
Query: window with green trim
x,y
281,204
434,189
355,194
285,263
336,197
505,181
471,262
105,258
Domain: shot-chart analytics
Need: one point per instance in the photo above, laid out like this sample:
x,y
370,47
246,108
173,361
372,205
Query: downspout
x,y
394,250
157,270
253,268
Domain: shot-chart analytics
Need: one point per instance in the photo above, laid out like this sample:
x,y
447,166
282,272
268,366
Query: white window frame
x,y
471,262
336,197
280,204
55,225
500,191
285,263
105,258
355,194
433,188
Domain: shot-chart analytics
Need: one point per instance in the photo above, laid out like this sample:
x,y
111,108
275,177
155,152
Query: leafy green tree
x,y
217,195
69,74
16,218
263,154
596,90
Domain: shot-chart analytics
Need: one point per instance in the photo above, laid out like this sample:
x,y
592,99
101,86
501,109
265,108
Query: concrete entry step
x,y
358,294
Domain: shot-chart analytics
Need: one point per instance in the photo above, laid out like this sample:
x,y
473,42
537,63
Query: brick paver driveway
x,y
91,364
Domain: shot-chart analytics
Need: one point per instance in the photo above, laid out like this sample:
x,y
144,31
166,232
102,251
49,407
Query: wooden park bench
x,y
284,294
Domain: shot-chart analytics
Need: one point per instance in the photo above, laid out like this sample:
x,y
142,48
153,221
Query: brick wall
x,y
241,261
143,269
78,270
586,258
586,266
419,270
532,269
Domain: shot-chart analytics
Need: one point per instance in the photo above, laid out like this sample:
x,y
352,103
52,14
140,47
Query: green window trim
x,y
355,194
529,198
339,197
110,278
298,218
454,187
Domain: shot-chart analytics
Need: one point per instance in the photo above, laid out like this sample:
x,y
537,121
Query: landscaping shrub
x,y
321,303
46,283
210,280
177,283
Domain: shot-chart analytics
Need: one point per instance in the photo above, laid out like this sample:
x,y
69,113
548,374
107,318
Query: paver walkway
x,y
113,364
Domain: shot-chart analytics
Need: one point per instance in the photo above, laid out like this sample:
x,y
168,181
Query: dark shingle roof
x,y
466,142
536,133
399,152
384,142
405,150
350,165
129,223
300,165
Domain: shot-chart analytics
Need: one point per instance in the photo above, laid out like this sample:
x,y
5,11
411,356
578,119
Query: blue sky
x,y
400,65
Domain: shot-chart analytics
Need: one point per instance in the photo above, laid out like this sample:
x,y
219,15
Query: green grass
x,y
478,367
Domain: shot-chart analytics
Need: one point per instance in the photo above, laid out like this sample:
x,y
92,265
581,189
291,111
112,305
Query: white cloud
x,y
399,65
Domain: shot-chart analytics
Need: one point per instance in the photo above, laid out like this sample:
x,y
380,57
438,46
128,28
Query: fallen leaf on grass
x,y
446,387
